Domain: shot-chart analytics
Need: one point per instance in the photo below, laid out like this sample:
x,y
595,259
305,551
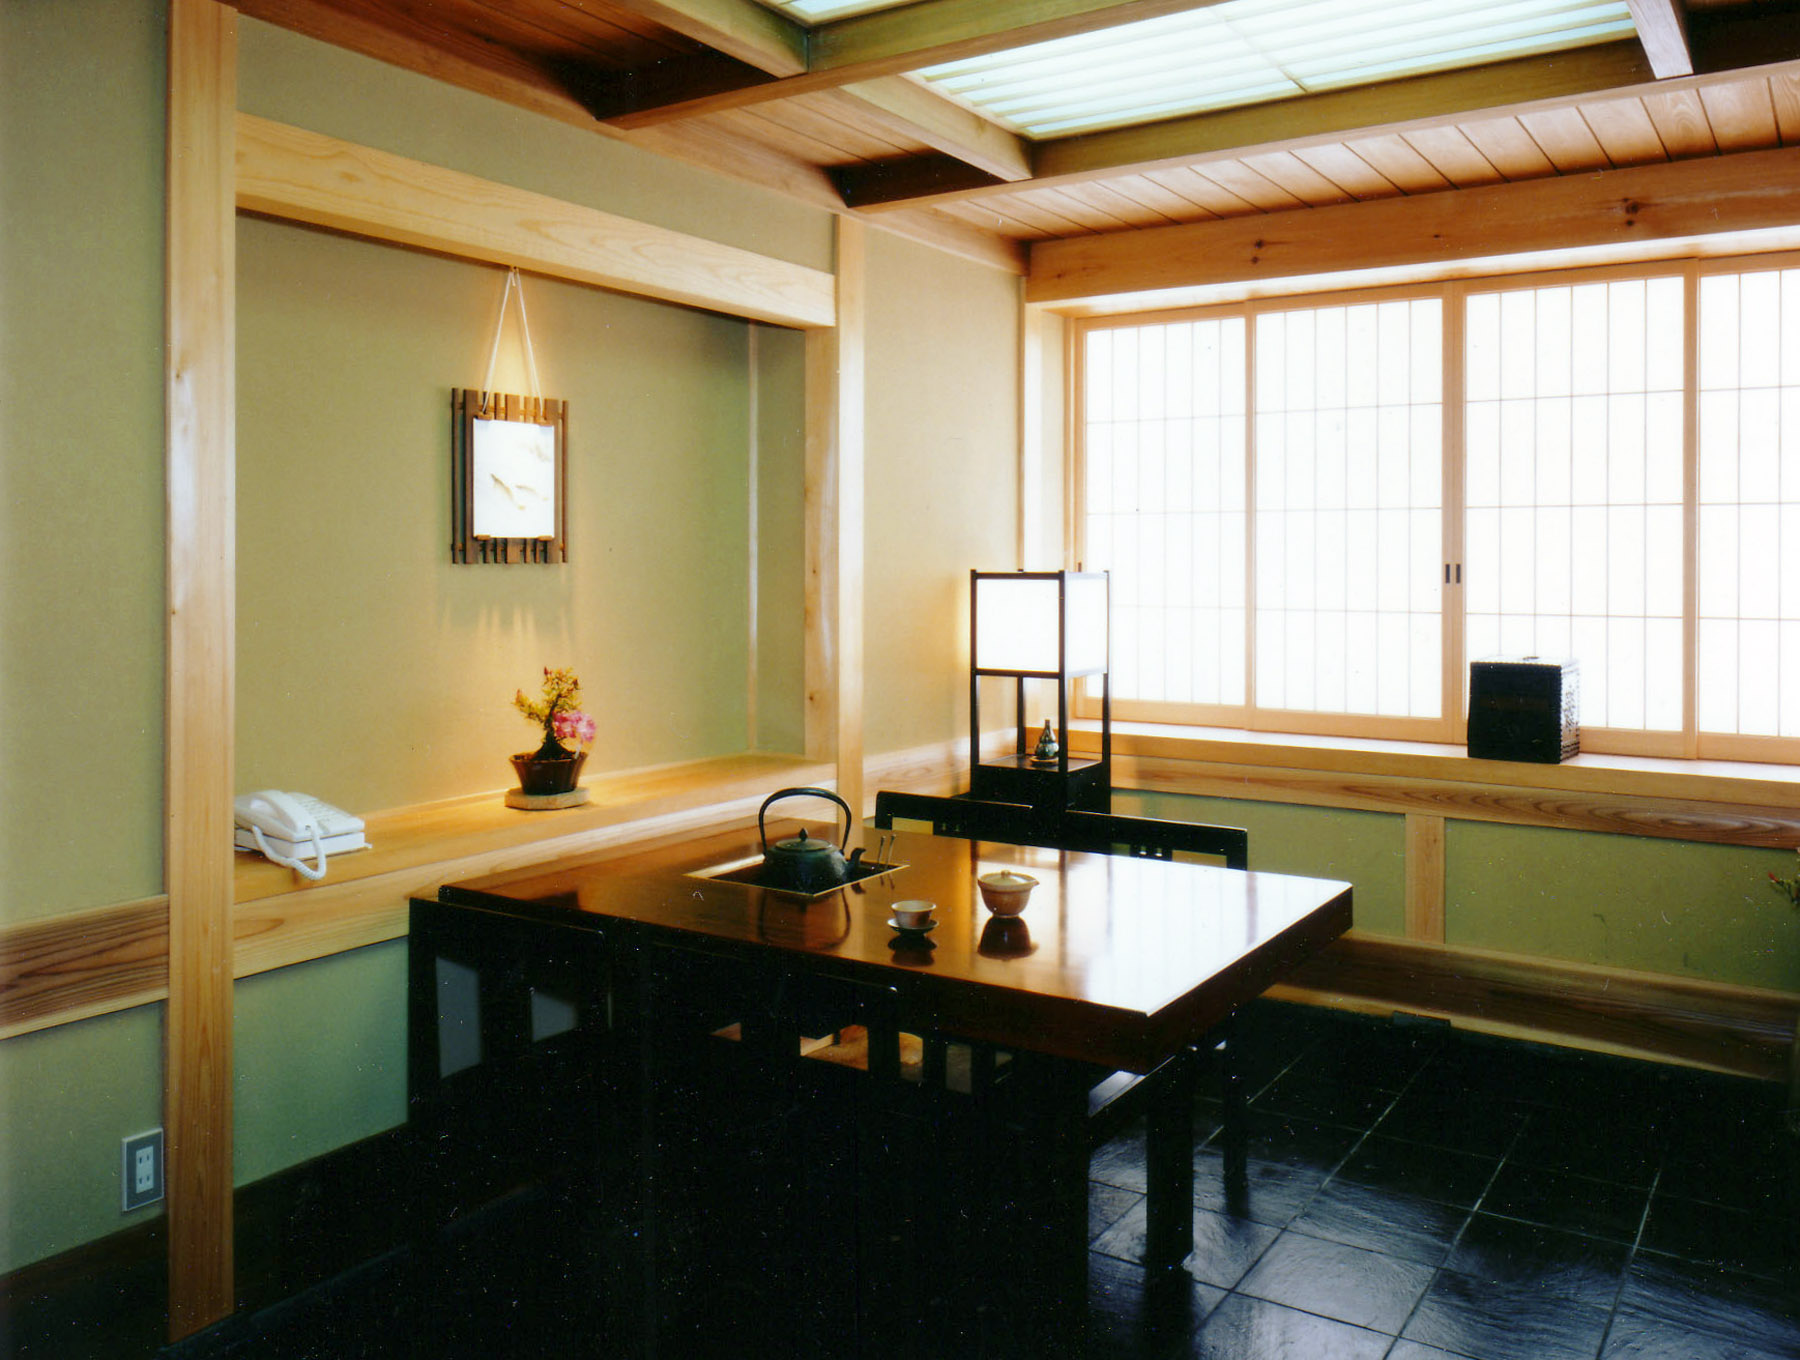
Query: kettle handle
x,y
762,831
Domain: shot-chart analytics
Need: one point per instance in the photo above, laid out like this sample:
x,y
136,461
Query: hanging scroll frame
x,y
497,483
509,462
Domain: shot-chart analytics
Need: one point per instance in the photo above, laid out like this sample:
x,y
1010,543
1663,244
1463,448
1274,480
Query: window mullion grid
x,y
1690,510
1252,709
1453,642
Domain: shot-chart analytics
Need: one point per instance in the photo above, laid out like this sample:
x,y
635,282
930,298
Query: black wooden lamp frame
x,y
1084,784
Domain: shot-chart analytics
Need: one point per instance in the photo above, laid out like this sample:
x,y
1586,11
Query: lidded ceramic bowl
x,y
1006,891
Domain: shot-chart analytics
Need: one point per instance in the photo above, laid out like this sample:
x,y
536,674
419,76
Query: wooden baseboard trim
x,y
1747,1031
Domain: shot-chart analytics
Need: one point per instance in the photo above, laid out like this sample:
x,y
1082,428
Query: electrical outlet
x,y
142,1177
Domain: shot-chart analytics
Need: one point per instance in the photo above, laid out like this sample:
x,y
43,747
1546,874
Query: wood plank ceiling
x,y
828,114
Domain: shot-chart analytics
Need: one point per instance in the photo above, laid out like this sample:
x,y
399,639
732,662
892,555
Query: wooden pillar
x,y
1424,877
834,524
200,456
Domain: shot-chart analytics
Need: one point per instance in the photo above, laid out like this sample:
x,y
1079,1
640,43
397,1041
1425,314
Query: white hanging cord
x,y
513,283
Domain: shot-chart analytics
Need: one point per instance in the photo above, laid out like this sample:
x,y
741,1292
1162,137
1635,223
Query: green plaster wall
x,y
1364,849
373,671
320,1057
81,461
70,1094
1662,906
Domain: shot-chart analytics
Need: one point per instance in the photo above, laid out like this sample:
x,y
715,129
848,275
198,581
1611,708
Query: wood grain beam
x,y
909,111
834,524
1742,192
502,75
1668,817
305,176
1662,29
200,455
742,29
1425,870
908,38
1743,1030
1399,107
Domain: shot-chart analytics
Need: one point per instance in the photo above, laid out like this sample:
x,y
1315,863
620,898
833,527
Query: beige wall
x,y
81,518
373,671
942,483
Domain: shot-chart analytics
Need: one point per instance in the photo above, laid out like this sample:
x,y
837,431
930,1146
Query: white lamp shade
x,y
1018,623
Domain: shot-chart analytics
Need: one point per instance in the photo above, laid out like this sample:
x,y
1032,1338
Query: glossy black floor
x,y
1412,1193
1415,1194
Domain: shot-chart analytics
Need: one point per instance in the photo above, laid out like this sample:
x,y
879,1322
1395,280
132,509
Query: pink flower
x,y
572,723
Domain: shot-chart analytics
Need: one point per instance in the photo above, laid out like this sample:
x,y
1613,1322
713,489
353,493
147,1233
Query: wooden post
x,y
1424,877
834,524
200,454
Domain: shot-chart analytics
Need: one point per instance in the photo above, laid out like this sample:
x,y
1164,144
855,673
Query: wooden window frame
x,y
1687,743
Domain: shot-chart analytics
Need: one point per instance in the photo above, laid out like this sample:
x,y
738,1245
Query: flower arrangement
x,y
557,714
1787,887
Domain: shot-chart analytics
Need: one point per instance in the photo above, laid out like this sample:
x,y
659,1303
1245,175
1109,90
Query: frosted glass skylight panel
x,y
1252,51
820,11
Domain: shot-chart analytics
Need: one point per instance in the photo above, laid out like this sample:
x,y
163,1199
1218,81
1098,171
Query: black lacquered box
x,y
1524,708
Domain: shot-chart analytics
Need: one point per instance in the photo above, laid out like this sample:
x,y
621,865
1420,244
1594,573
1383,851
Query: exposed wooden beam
x,y
308,177
743,29
909,110
502,75
200,460
909,38
908,181
1398,106
1662,28
1750,191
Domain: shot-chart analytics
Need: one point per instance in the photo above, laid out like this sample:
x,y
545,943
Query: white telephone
x,y
284,826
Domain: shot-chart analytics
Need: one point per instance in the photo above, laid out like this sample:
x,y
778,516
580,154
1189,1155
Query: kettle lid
x,y
804,845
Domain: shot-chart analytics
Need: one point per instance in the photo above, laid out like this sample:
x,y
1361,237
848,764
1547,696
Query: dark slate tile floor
x,y
1415,1193
1411,1193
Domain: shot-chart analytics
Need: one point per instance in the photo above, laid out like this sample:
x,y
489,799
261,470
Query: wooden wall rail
x,y
1744,1030
1687,819
89,963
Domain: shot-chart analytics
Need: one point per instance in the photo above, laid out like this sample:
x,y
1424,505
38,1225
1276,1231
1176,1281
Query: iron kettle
x,y
802,864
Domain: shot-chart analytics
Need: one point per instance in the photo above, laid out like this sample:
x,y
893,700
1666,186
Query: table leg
x,y
1169,1157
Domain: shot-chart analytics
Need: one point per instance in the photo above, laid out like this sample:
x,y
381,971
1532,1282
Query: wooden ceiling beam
x,y
741,29
1662,29
907,109
1415,103
1751,191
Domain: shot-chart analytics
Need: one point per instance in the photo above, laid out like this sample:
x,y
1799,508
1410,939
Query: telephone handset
x,y
285,826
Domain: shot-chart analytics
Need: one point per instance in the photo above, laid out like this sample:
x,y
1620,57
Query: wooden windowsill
x,y
458,829
1711,781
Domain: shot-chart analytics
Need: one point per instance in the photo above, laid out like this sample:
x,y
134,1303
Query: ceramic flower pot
x,y
539,775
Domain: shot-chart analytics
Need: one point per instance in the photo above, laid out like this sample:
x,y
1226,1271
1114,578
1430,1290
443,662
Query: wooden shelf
x,y
1743,783
458,829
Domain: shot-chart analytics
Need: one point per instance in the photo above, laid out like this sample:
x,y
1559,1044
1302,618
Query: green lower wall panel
x,y
1659,906
68,1097
1365,849
320,1057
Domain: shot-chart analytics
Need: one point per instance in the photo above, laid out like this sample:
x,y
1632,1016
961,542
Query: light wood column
x,y
200,418
834,523
1424,877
